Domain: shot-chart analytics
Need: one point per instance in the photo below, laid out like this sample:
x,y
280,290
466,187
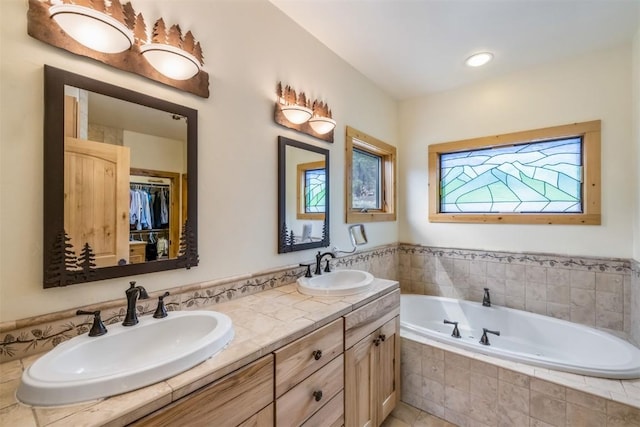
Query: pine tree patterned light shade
x,y
170,54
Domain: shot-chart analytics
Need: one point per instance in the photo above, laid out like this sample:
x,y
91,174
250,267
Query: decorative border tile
x,y
546,260
34,335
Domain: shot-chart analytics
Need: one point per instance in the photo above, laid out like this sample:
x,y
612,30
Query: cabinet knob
x,y
382,337
317,395
376,342
317,354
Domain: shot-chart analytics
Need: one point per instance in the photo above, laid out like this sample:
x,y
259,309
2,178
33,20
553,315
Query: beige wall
x,y
636,141
590,87
248,47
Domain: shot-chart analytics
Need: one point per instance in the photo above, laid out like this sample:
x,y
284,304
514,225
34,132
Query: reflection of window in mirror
x,y
311,190
370,178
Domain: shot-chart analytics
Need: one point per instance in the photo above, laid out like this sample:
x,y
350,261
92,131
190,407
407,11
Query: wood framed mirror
x,y
303,196
117,201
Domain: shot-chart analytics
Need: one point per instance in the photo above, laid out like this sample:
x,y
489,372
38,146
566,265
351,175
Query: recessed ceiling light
x,y
478,59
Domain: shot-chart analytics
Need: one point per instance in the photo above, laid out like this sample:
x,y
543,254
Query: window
x,y
311,190
370,178
549,176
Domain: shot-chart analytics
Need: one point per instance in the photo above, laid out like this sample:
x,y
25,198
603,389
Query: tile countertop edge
x,y
244,349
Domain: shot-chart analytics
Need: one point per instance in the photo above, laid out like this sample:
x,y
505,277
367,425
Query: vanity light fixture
x,y
112,32
296,114
93,28
170,54
295,111
479,59
321,122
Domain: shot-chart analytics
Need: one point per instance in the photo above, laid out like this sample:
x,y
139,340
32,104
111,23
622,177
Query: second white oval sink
x,y
336,283
126,358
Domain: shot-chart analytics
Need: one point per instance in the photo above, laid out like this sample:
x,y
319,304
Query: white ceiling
x,y
414,47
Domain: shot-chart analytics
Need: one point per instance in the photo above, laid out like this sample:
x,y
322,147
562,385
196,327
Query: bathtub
x,y
524,337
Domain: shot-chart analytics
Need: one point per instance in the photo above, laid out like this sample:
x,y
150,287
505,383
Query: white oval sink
x,y
336,283
126,358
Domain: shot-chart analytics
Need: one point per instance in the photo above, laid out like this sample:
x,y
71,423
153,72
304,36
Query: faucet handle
x,y
456,331
307,272
484,340
161,310
98,328
327,267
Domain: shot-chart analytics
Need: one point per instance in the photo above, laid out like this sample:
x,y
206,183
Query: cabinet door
x,y
388,368
359,384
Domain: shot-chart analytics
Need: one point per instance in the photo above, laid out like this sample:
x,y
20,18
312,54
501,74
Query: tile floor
x,y
407,416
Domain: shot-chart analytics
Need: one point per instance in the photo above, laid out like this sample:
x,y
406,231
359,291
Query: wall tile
x,y
609,282
547,409
554,390
535,274
514,397
433,391
583,279
579,416
619,415
586,400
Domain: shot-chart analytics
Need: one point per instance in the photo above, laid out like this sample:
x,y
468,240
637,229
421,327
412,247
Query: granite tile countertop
x,y
262,323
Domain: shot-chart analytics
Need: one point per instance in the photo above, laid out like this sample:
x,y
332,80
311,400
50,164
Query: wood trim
x,y
361,322
590,131
389,177
300,200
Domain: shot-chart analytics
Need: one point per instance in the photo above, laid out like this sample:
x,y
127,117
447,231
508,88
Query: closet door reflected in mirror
x,y
118,202
303,187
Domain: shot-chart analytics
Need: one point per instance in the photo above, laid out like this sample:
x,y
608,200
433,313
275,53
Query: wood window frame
x,y
364,142
300,190
591,187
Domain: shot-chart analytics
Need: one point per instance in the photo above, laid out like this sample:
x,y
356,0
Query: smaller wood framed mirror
x,y
303,196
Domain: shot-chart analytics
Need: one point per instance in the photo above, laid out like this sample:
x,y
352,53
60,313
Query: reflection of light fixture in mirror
x,y
322,125
91,28
171,61
296,114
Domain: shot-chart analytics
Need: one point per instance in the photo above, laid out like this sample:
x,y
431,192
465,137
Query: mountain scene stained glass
x,y
314,190
541,177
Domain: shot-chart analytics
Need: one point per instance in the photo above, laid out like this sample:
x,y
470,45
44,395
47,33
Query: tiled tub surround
x,y
470,389
634,333
34,335
262,322
591,291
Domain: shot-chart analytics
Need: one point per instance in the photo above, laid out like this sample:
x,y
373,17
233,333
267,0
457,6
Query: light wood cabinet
x,y
137,252
240,398
372,362
309,376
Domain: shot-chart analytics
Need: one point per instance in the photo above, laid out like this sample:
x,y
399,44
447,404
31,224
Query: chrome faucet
x,y
133,293
319,257
486,300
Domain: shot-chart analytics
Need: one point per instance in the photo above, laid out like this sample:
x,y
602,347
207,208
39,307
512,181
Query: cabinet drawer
x,y
301,358
365,320
299,403
263,418
227,402
137,252
330,415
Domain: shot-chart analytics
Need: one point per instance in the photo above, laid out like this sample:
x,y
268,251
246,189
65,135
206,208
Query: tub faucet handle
x,y
456,332
484,340
486,300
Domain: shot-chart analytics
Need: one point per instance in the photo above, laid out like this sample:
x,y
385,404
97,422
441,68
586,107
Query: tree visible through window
x,y
541,176
370,178
366,182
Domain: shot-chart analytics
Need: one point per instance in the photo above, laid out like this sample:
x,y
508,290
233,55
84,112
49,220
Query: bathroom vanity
x,y
296,360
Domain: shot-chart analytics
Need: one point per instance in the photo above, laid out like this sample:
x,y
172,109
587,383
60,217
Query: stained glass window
x,y
314,190
544,177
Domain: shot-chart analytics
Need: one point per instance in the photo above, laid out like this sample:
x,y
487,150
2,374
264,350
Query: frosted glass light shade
x,y
171,61
322,125
92,29
296,114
